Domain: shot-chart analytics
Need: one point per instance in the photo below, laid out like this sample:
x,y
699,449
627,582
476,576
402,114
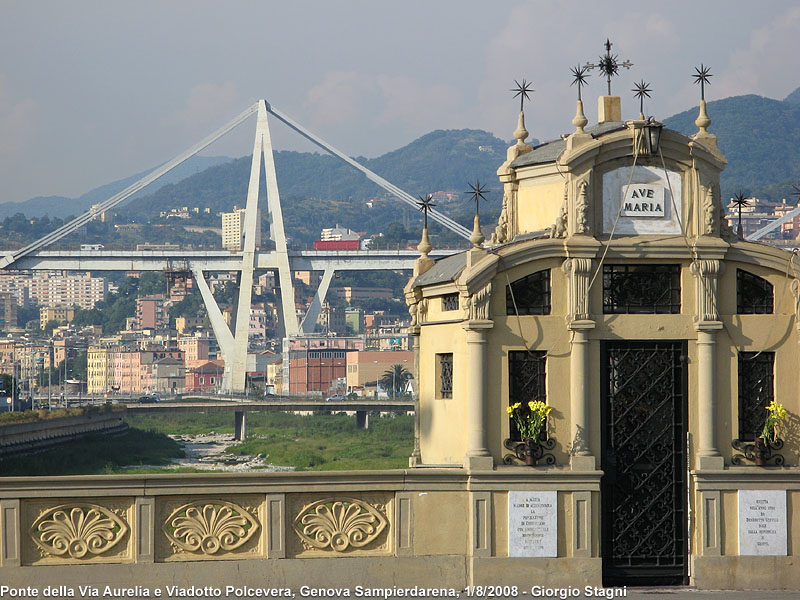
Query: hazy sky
x,y
94,91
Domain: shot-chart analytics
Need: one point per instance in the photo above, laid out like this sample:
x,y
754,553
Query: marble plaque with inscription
x,y
762,523
532,524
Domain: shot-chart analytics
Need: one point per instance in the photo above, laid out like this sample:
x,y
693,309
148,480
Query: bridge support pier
x,y
239,425
362,419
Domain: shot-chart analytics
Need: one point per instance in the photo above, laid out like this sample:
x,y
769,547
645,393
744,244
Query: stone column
x,y
708,455
579,394
477,456
707,324
578,271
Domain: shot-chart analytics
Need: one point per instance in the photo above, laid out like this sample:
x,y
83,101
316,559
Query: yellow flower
x,y
778,412
539,407
516,406
509,410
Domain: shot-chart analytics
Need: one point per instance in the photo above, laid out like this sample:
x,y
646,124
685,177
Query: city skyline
x,y
95,93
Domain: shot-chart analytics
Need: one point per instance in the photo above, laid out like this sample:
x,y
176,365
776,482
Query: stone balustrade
x,y
440,527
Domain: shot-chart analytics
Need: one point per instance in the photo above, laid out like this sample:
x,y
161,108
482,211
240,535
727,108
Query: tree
x,y
396,379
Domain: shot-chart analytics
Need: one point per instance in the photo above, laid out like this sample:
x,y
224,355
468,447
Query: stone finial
x,y
521,133
580,121
423,262
477,238
702,120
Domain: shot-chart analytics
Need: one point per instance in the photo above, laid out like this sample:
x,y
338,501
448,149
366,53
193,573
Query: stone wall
x,y
39,435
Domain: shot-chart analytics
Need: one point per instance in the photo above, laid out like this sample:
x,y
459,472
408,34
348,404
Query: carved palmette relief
x,y
796,294
209,527
559,229
77,530
476,306
707,273
578,271
339,524
582,208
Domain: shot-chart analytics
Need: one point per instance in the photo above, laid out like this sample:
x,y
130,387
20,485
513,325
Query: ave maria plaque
x,y
643,200
532,524
762,523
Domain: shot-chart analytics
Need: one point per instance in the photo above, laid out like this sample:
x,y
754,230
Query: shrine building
x,y
613,290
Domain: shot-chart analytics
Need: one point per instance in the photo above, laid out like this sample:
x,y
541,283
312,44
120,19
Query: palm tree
x,y
396,379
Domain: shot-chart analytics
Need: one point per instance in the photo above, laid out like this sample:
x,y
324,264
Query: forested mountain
x,y
61,206
321,191
761,139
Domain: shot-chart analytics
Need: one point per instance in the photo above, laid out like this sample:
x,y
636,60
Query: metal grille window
x,y
756,391
526,381
529,295
753,294
450,302
641,289
445,368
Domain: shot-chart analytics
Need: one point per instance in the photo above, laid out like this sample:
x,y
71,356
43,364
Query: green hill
x,y
759,136
320,191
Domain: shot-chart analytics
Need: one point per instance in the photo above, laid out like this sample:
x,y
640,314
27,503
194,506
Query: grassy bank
x,y
308,442
29,416
96,454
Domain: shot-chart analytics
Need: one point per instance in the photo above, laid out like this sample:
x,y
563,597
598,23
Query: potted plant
x,y
530,421
776,413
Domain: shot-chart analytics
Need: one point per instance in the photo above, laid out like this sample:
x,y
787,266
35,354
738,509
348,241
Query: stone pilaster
x,y
416,456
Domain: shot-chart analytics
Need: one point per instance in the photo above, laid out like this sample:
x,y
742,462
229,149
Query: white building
x,y
233,230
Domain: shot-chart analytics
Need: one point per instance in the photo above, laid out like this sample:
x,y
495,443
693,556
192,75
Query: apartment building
x,y
233,229
54,288
98,370
150,312
62,314
8,311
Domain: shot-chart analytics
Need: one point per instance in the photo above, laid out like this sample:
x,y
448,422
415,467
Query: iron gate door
x,y
644,461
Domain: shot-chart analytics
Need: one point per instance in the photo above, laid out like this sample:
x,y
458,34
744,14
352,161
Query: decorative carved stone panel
x,y
476,306
75,531
340,525
210,528
707,273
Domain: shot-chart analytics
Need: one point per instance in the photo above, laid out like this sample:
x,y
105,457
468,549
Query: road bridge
x,y
362,408
233,341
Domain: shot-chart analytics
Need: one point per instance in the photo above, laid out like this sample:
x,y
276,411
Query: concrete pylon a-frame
x,y
234,348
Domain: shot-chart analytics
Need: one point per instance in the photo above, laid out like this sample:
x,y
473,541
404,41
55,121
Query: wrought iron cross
x,y
425,204
609,64
477,193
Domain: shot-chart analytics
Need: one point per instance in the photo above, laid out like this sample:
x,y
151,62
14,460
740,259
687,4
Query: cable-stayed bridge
x,y
234,342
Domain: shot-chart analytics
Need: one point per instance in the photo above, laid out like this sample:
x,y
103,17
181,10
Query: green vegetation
x,y
96,454
319,442
29,416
